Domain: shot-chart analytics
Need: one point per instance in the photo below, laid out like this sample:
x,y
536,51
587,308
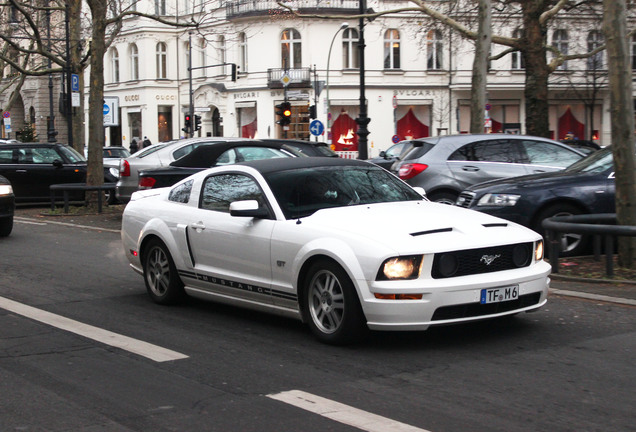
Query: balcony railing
x,y
247,8
295,78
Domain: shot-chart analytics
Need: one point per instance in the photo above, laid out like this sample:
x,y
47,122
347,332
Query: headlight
x,y
6,190
114,172
499,200
538,250
401,268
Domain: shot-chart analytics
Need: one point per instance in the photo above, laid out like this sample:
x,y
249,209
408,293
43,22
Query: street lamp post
x,y
362,120
343,26
51,133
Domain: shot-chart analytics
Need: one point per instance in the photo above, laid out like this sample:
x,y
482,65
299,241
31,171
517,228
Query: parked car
x,y
308,148
155,156
584,187
388,157
214,154
33,167
7,207
299,237
444,166
585,146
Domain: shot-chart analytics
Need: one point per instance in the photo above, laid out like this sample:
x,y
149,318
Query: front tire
x,y
6,226
160,274
443,198
571,244
331,305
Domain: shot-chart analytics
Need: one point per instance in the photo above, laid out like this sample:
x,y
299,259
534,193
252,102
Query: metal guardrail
x,y
602,226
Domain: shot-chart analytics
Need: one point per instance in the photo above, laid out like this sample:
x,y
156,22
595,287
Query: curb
x,y
589,296
557,276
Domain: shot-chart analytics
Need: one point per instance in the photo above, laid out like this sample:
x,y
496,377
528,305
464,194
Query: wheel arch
x,y
534,219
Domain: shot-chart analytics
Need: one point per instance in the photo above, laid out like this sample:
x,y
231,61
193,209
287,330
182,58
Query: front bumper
x,y
458,301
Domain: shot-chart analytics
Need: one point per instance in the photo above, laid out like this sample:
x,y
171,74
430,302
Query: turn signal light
x,y
398,296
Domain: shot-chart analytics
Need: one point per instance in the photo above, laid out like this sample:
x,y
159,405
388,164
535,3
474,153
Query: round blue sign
x,y
106,109
395,139
316,127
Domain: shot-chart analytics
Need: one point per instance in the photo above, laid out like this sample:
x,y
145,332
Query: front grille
x,y
482,260
465,199
477,309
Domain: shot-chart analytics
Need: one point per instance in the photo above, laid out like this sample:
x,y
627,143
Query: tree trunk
x,y
95,175
480,68
622,114
537,70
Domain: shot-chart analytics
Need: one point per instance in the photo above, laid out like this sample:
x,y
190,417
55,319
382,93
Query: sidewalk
x,y
110,219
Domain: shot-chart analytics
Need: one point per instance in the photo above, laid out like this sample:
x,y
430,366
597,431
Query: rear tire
x,y
331,305
571,244
443,198
160,274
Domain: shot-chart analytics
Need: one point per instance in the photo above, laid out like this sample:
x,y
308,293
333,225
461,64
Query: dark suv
x,y
33,167
7,207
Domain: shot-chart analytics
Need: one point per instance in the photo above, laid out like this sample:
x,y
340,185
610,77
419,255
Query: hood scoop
x,y
435,231
494,225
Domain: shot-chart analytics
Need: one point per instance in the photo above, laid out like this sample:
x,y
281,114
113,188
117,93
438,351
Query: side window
x,y
181,193
487,151
228,157
543,153
255,153
221,190
6,156
177,154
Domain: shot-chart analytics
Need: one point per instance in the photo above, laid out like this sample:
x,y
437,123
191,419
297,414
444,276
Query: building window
x,y
392,49
291,57
560,42
242,53
350,58
518,62
132,5
114,58
434,50
160,7
202,59
161,60
134,62
595,40
220,53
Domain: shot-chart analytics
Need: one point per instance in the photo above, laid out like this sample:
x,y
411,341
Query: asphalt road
x,y
82,348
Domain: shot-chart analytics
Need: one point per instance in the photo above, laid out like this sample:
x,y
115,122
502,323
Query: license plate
x,y
497,295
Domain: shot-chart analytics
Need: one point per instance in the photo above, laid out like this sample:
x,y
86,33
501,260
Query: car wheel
x,y
6,225
111,199
331,304
571,244
160,274
443,198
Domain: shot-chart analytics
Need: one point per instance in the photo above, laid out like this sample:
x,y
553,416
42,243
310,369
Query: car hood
x,y
419,226
533,181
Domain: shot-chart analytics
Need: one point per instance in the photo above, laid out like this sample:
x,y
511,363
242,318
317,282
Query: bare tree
x,y
480,67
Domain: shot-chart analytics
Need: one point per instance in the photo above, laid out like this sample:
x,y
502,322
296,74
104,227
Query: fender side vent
x,y
435,231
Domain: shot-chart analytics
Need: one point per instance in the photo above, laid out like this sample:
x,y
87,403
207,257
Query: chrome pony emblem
x,y
488,259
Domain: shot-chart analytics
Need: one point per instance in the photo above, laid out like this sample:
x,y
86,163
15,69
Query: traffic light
x,y
234,71
312,111
187,123
197,122
283,110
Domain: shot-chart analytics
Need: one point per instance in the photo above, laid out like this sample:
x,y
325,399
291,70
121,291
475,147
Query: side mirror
x,y
58,163
248,208
382,154
420,190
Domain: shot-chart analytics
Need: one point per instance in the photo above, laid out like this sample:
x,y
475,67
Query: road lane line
x,y
37,222
144,349
345,414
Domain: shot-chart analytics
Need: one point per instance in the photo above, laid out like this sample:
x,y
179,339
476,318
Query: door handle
x,y
21,171
470,168
198,226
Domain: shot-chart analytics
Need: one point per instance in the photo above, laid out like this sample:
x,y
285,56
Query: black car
x,y
7,207
308,148
33,167
214,154
586,187
387,158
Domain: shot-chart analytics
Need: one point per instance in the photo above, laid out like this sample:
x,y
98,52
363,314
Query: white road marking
x,y
343,413
37,222
144,349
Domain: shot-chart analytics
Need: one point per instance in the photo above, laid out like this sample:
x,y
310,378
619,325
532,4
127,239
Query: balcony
x,y
259,8
296,78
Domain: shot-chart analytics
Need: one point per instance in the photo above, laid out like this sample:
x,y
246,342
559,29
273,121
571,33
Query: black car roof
x,y
266,166
210,151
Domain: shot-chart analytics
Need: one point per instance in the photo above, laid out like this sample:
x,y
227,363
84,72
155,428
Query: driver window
x,y
221,190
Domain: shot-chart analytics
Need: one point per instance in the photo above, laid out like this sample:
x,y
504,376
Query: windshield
x,y
72,154
597,162
153,148
304,191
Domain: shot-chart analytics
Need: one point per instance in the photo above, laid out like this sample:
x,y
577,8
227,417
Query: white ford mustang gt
x,y
341,244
